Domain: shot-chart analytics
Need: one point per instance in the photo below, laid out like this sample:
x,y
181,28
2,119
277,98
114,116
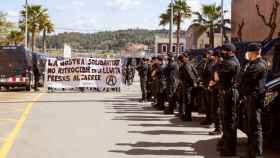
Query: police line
x,y
100,74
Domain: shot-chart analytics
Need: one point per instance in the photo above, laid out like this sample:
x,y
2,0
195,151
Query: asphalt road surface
x,y
99,125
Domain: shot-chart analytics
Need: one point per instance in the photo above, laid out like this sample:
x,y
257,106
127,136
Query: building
x,y
247,25
162,43
197,37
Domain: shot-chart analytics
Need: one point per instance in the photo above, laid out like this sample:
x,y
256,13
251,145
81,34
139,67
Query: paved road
x,y
86,125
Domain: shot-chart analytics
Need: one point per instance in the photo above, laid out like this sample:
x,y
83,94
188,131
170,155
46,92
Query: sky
x,y
102,15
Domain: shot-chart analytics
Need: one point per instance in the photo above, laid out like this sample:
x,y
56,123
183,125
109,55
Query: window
x,y
164,48
173,48
182,48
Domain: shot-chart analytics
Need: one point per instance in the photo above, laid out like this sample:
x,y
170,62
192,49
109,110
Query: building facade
x,y
198,38
247,25
162,44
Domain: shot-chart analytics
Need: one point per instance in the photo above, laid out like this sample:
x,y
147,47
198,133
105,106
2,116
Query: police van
x,y
16,67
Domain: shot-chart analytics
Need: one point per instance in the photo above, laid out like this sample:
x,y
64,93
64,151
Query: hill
x,y
108,40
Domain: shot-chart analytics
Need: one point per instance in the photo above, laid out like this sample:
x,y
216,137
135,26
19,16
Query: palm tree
x,y
181,11
15,37
210,18
5,25
35,15
47,27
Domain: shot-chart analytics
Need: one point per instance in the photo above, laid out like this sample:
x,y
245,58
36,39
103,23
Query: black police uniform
x,y
215,108
37,75
170,73
205,79
228,98
143,73
154,83
276,60
188,79
149,83
253,90
159,81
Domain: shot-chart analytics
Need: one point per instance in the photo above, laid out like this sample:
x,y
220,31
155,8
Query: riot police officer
x,y
253,91
159,81
143,74
189,81
205,78
153,80
215,108
228,97
37,75
170,72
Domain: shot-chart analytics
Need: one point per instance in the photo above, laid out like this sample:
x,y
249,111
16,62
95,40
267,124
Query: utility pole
x,y
171,28
26,24
223,21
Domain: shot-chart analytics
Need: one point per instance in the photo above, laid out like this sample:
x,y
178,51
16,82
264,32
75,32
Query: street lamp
x,y
223,21
26,23
171,27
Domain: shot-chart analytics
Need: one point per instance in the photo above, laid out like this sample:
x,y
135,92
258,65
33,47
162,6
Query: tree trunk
x,y
44,41
33,40
178,34
271,32
211,36
28,40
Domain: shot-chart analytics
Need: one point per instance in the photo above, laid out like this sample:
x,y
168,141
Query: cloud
x,y
123,4
78,4
84,24
195,5
12,15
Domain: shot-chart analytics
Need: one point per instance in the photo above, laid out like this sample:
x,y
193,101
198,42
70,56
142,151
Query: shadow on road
x,y
205,148
142,113
128,109
169,152
169,132
63,101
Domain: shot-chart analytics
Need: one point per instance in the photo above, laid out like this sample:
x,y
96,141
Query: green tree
x,y
181,11
15,37
5,27
36,14
210,18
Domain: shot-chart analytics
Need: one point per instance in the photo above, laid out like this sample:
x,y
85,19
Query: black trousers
x,y
161,97
207,104
171,96
215,110
254,108
143,84
37,80
228,103
155,90
187,103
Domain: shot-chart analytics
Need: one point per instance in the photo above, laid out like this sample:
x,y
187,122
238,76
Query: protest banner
x,y
100,74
